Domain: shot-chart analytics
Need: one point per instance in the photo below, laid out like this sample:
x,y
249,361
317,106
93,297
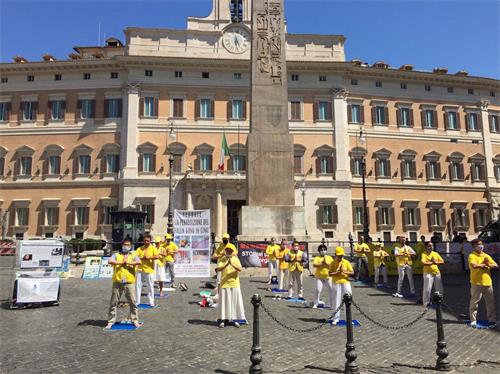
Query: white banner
x,y
192,236
41,254
37,290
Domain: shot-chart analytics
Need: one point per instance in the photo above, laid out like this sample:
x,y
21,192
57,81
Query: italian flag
x,y
223,153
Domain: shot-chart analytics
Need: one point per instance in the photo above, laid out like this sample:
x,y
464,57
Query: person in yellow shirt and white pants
x,y
171,250
340,271
148,254
272,263
480,265
160,276
124,268
231,301
283,273
379,263
404,261
361,250
322,265
432,276
219,253
296,268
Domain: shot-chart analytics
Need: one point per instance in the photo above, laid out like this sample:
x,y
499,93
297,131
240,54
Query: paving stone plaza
x,y
180,337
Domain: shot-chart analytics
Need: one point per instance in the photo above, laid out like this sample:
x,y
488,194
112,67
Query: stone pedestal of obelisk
x,y
270,209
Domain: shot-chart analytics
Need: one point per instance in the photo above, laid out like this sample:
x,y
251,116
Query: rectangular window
x,y
206,108
149,107
30,78
205,162
492,93
4,111
324,165
205,75
436,218
385,216
238,162
112,163
433,170
470,91
51,216
383,168
408,169
460,217
354,82
86,76
456,171
84,164
81,216
237,76
322,78
450,89
114,108
57,109
323,110
295,107
358,215
494,123
107,217
481,217
380,115
147,162
355,113
403,86
29,111
429,119
295,77
149,209
178,74
427,88
297,164
178,108
148,73
25,166
327,214
452,120
4,80
54,165
411,217
477,172
405,117
473,123
378,84
177,165
22,215
86,108
357,167
57,77
237,109
114,75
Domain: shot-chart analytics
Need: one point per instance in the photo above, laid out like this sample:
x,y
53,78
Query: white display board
x,y
37,290
192,236
41,254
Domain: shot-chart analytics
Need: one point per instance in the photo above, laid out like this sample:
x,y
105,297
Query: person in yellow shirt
x,y
295,260
379,263
432,276
480,265
340,271
322,265
361,249
170,252
124,267
160,275
272,264
148,254
281,255
404,262
231,302
219,253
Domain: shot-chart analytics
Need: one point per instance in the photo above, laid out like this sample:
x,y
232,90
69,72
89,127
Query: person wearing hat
x,y
296,268
160,275
230,299
124,268
322,265
432,276
481,285
272,263
340,270
170,251
148,254
404,261
281,255
379,263
361,250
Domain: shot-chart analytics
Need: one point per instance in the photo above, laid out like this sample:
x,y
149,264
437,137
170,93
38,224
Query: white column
x,y
128,132
487,147
341,135
189,198
218,227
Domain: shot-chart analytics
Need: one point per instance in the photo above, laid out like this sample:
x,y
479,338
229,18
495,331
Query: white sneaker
x,y
221,325
315,306
473,324
236,324
335,322
397,295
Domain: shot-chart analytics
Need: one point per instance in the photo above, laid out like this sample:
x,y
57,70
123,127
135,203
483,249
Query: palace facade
x,y
82,137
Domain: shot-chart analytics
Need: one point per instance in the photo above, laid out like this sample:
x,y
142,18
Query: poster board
x,y
41,254
92,267
192,236
106,270
253,254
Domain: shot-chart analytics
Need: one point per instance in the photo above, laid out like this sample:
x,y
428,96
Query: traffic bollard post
x,y
256,356
442,363
351,367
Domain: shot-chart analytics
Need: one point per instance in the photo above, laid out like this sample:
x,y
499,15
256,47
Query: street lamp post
x,y
170,223
366,223
303,191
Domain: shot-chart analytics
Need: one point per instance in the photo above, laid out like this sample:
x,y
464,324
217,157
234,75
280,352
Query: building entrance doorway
x,y
233,216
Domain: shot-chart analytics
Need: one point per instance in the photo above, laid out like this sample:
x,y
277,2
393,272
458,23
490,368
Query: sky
x,y
457,34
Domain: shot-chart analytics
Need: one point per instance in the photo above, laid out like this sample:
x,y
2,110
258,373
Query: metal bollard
x,y
351,367
256,356
442,364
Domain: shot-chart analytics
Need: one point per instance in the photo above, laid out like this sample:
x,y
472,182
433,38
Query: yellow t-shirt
x,y
427,257
296,261
343,265
405,253
229,276
280,255
360,250
480,276
171,250
271,251
379,257
124,273
219,251
323,271
147,264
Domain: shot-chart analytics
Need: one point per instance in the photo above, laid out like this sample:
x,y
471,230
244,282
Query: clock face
x,y
236,40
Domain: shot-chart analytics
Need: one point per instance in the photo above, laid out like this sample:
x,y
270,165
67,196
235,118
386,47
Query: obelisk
x,y
270,209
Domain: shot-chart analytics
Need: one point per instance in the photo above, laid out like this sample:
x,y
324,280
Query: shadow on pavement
x,y
328,370
93,322
396,365
315,320
224,371
201,322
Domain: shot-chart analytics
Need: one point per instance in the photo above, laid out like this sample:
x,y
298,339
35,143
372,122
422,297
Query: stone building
x,y
82,137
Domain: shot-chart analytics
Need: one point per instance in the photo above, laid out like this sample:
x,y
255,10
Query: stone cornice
x,y
57,184
419,187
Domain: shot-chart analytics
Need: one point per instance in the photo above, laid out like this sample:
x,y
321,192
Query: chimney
x,y
440,70
406,67
20,60
48,58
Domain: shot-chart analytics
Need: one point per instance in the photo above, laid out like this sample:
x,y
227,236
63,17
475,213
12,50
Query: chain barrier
x,y
387,327
293,329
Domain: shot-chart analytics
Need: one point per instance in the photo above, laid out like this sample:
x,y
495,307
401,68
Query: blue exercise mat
x,y
295,300
480,324
165,296
278,290
240,321
343,322
146,306
123,326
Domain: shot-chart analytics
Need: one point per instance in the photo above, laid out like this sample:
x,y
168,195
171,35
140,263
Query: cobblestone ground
x,y
180,337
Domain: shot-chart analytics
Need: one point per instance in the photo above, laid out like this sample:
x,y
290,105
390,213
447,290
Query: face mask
x,y
125,249
480,247
322,253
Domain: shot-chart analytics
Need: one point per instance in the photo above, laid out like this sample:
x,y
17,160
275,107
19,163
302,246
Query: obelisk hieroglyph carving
x,y
270,176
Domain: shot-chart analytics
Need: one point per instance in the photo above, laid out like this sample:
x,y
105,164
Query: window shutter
x,y
154,162
378,217
49,111
445,118
56,218
490,122
442,214
331,165
431,219
467,219
229,109
392,217
104,165
404,217
318,165
141,107
87,215
411,117
329,111
436,121
377,168
422,118
78,109
21,110
438,176
120,108
45,166
399,120
197,109
156,106
141,163
413,169
386,116
210,165
353,216
467,121
106,108
335,215
479,121
244,109
315,111
8,107
418,219
349,113
374,118
63,108
458,120
461,170
361,114
212,109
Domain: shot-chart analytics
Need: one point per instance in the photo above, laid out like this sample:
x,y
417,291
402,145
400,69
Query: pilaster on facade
x,y
129,134
341,135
